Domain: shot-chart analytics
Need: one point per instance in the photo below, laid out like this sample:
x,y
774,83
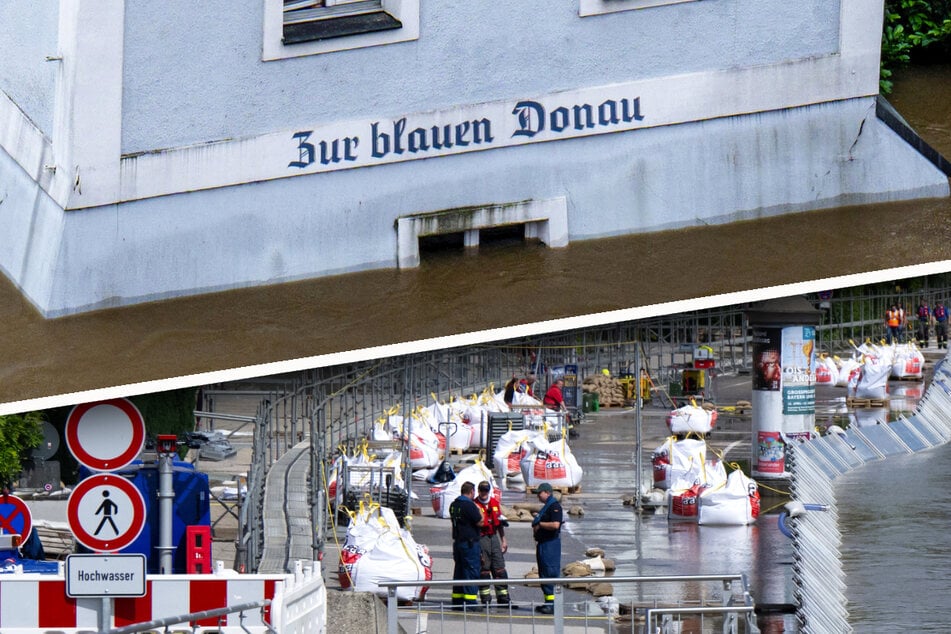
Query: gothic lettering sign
x,y
329,146
466,129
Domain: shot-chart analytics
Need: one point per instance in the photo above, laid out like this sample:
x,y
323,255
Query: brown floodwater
x,y
454,293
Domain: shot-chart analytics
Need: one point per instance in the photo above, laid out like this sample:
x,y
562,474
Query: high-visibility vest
x,y
891,317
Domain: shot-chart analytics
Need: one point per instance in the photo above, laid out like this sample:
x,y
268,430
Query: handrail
x,y
558,610
185,618
436,583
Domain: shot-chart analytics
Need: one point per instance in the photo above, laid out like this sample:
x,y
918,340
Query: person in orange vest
x,y
494,545
893,325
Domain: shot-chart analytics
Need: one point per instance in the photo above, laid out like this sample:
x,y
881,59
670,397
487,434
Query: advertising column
x,y
784,393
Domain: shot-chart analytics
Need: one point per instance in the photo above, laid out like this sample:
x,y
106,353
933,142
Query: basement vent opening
x,y
465,229
504,237
442,243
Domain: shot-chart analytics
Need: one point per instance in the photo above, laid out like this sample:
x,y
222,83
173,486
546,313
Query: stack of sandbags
x,y
609,390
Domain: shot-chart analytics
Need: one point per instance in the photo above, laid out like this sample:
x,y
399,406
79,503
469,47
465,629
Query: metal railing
x,y
733,612
335,408
189,617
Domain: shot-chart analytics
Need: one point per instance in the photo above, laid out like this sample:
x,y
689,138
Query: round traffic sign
x,y
106,512
107,435
15,517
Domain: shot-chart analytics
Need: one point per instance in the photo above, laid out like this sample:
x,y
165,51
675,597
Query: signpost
x,y
105,576
106,512
107,435
15,517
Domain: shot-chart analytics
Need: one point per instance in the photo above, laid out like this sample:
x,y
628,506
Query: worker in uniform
x,y
893,325
494,545
645,385
924,322
547,531
466,521
941,325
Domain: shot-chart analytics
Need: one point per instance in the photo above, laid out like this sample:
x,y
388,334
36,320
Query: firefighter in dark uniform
x,y
547,529
493,545
466,554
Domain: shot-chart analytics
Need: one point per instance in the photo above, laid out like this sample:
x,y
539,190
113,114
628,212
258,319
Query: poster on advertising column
x,y
767,401
783,392
798,378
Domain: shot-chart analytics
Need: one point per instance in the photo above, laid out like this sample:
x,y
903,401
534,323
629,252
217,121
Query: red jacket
x,y
492,514
554,398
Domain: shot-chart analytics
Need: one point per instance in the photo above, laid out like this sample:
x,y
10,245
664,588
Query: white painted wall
x,y
666,177
193,71
28,34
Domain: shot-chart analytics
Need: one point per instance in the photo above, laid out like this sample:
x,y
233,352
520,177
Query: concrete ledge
x,y
357,613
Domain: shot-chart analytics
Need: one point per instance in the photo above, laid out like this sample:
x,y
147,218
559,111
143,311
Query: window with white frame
x,y
294,28
598,7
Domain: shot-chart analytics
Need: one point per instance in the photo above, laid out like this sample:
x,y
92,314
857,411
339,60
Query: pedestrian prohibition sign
x,y
15,517
106,512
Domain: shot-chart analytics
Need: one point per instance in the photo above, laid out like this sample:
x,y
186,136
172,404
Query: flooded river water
x,y
896,549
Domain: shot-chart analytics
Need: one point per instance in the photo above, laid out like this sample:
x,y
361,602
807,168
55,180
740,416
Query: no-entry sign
x,y
106,435
106,512
15,517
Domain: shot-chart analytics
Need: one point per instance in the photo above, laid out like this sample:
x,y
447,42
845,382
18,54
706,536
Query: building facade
x,y
153,150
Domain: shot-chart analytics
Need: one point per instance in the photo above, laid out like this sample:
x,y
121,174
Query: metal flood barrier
x,y
813,523
729,608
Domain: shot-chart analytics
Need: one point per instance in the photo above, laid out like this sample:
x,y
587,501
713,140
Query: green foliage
x,y
171,412
911,27
19,434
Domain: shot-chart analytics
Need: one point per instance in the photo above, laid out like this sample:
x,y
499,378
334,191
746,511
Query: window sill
x,y
397,21
340,26
599,7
